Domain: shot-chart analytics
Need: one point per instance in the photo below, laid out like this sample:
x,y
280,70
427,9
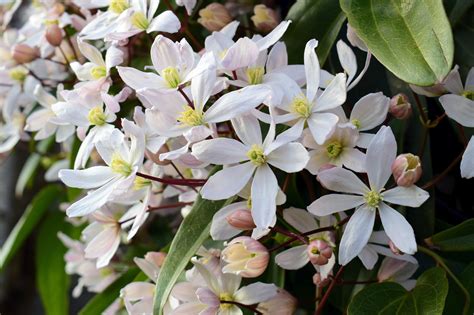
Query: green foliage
x,y
413,39
319,19
457,238
391,298
30,218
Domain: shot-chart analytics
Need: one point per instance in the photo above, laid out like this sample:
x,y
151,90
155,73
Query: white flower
x,y
398,271
123,160
255,157
380,155
311,107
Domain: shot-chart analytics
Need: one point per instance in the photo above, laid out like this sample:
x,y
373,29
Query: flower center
x,y
190,117
120,166
256,155
468,95
225,297
140,21
140,183
413,161
98,72
301,106
373,198
171,77
118,6
255,75
334,149
18,74
96,116
356,123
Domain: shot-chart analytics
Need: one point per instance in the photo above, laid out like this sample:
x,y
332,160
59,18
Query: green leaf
x,y
455,239
427,298
28,221
31,165
192,232
412,38
51,278
320,19
457,8
456,299
101,301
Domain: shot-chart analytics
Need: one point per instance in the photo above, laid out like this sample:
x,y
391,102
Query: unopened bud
x,y
245,257
241,219
282,303
23,53
319,281
264,18
400,106
394,248
214,17
319,252
54,35
406,169
156,258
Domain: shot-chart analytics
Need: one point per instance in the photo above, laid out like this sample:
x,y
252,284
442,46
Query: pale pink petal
x,y
411,196
293,258
397,229
264,192
467,162
333,203
342,180
227,182
381,153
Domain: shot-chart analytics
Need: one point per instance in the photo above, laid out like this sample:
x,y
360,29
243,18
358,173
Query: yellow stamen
x,y
301,106
189,116
120,166
97,116
98,72
171,76
334,149
256,155
140,21
118,6
373,198
255,75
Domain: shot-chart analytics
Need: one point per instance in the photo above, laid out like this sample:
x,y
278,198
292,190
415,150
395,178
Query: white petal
x,y
322,125
273,36
243,53
397,229
291,157
300,219
264,192
247,129
412,196
381,153
467,162
255,293
220,151
139,80
459,108
342,180
277,57
369,257
311,65
93,201
332,203
356,234
237,103
347,59
165,22
334,95
293,258
220,228
113,57
371,110
227,182
164,53
91,53
354,159
92,177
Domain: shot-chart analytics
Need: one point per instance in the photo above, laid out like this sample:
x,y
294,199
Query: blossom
x,y
245,257
380,155
398,271
255,157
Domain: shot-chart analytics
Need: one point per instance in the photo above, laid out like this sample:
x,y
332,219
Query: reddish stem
x,y
175,181
319,310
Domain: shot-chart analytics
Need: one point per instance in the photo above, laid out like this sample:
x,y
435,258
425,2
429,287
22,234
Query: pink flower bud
x,y
394,248
54,35
282,303
245,257
317,280
319,252
241,219
23,53
214,17
156,258
400,106
264,18
406,169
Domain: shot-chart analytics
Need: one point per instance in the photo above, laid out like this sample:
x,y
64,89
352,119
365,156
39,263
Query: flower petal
x,y
274,36
322,125
166,22
397,229
312,69
371,110
381,153
334,95
220,228
293,258
255,293
291,157
342,180
368,256
92,177
247,129
300,219
264,192
329,204
347,59
459,108
411,196
220,151
467,162
227,182
140,80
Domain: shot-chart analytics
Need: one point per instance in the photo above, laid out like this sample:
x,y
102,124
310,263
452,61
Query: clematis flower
x,y
338,150
367,200
123,160
311,107
255,157
460,106
398,271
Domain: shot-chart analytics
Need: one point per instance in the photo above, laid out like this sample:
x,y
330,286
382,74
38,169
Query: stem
x,y
420,109
463,134
248,307
439,260
328,291
186,97
193,39
180,174
294,236
175,181
436,179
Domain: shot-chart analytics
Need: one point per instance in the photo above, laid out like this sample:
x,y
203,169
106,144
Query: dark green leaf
x,y
320,19
412,38
427,298
101,301
457,238
38,206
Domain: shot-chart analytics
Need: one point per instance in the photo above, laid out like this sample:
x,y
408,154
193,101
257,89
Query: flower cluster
x,y
151,121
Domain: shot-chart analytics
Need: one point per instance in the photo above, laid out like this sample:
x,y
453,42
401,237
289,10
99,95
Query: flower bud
x,y
241,219
394,248
319,252
23,53
318,280
245,257
54,35
264,18
156,258
282,303
214,17
406,169
400,106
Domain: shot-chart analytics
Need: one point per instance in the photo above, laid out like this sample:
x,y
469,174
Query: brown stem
x,y
180,174
249,307
186,97
436,179
420,109
328,291
174,181
292,235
